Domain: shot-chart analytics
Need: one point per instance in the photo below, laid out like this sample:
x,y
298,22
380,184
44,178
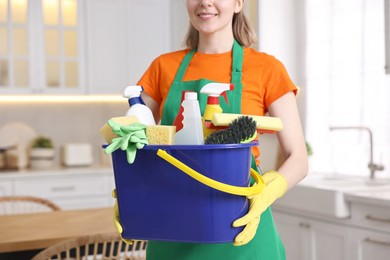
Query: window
x,y
346,84
14,49
60,43
39,46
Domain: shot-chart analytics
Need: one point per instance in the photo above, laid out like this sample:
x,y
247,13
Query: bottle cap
x,y
191,96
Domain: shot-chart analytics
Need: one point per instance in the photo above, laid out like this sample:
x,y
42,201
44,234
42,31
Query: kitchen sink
x,y
325,194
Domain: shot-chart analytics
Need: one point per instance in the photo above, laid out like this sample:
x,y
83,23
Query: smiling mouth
x,y
206,15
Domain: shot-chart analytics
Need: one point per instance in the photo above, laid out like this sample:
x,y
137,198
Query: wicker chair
x,y
10,205
107,246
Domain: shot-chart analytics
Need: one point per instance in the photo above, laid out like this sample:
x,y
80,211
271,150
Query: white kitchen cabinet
x,y
81,188
370,216
123,38
370,245
81,47
307,238
295,235
371,237
5,188
364,235
41,47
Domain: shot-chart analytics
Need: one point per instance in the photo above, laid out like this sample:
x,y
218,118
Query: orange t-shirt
x,y
264,78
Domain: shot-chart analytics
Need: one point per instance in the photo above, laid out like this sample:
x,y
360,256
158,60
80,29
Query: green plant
x,y
308,149
42,142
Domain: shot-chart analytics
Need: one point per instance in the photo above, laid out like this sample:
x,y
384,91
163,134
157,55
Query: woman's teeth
x,y
206,15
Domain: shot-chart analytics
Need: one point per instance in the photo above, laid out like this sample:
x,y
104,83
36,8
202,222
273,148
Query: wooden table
x,y
37,231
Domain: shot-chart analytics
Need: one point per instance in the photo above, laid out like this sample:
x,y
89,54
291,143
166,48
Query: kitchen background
x,y
99,49
64,64
91,48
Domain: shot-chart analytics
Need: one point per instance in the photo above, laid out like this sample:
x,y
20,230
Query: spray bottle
x,y
189,129
137,105
214,90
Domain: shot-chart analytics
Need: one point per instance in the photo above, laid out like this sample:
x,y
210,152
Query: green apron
x,y
266,244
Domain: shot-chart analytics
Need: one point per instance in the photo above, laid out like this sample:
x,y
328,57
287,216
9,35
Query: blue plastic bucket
x,y
157,201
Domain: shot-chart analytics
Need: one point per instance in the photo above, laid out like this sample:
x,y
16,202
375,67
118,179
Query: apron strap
x,y
184,65
238,53
237,59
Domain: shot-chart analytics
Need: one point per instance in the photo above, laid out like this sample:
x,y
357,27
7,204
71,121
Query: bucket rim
x,y
197,147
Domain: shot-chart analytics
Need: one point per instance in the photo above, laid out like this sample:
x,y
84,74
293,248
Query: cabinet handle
x,y
61,189
374,241
373,218
304,225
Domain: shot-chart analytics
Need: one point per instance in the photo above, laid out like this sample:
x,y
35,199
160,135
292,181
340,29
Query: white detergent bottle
x,y
192,131
137,105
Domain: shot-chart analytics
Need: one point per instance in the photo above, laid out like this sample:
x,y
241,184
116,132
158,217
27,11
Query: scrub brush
x,y
240,130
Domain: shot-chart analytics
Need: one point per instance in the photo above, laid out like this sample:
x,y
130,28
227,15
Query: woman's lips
x,y
206,15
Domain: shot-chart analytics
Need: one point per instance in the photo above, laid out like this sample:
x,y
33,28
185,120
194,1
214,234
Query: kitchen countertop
x,y
360,189
4,174
375,196
335,193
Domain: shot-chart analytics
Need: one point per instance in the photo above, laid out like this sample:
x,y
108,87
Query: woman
x,y
218,50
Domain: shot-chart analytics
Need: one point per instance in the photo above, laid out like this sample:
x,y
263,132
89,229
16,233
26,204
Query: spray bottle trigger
x,y
225,97
224,93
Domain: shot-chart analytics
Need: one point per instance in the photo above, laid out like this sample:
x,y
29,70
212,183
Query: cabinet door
x,y
92,202
295,234
41,47
371,216
15,46
370,245
62,39
69,191
305,238
5,188
329,241
52,188
124,36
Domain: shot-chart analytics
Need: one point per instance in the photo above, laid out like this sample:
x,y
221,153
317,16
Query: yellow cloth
x,y
116,220
275,187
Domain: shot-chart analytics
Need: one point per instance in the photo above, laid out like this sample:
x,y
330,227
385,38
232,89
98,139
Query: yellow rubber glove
x,y
275,187
117,223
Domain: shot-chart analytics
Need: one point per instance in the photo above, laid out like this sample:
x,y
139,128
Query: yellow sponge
x,y
106,131
265,123
160,134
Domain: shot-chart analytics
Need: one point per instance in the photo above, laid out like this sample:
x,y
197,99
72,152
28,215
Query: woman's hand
x,y
275,187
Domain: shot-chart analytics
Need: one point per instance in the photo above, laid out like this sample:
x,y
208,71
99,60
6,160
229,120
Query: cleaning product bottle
x,y
191,131
214,90
137,105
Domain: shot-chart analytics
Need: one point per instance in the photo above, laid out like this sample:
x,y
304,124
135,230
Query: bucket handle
x,y
235,190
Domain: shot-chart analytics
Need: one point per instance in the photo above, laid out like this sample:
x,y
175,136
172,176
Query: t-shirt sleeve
x,y
150,81
276,80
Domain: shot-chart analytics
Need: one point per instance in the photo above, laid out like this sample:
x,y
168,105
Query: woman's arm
x,y
291,139
153,105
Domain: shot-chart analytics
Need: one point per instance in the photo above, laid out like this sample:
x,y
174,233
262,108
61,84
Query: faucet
x,y
373,167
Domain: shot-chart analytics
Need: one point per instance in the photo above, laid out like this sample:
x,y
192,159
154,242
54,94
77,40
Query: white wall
x,y
280,28
65,122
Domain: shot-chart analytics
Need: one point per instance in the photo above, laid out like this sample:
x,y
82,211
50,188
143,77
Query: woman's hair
x,y
242,32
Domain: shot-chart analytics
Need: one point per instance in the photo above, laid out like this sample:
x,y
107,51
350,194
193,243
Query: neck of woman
x,y
214,45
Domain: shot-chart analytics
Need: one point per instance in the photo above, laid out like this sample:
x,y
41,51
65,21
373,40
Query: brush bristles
x,y
240,130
